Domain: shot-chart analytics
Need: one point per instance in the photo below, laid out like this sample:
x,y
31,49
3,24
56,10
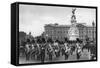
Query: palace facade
x,y
56,31
72,32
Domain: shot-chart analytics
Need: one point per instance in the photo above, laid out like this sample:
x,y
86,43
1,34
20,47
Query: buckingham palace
x,y
59,32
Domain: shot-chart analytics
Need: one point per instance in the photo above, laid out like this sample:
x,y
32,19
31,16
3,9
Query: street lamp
x,y
93,30
46,37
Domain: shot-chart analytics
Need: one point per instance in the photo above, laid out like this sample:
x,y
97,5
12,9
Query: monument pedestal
x,y
73,33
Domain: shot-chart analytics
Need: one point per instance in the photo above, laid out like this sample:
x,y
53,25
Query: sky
x,y
32,18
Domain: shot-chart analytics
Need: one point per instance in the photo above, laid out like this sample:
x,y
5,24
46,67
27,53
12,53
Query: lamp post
x,y
46,37
93,30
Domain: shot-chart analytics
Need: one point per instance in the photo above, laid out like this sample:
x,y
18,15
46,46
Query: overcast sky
x,y
32,18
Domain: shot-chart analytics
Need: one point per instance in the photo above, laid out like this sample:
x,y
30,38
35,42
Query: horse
x,y
87,46
92,49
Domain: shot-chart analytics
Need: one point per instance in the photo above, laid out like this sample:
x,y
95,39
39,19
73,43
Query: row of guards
x,y
40,48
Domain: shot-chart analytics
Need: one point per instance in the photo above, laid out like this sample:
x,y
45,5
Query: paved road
x,y
84,56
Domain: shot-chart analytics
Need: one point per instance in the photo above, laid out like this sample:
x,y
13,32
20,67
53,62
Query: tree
x,y
22,35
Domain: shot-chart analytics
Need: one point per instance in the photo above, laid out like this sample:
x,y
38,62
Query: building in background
x,y
60,32
73,31
56,31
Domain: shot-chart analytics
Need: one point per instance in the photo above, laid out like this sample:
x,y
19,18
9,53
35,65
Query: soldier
x,y
78,51
56,48
27,50
42,53
72,48
38,49
42,50
33,49
62,48
67,50
50,51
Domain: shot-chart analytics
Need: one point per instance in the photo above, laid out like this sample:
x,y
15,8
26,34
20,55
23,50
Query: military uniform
x,y
42,53
78,52
67,49
50,51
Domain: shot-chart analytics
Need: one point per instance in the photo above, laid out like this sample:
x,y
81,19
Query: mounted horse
x,y
91,46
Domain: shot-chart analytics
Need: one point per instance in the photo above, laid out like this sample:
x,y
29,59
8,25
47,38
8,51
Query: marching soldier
x,y
42,50
50,51
42,53
27,50
39,49
78,51
33,49
56,48
67,50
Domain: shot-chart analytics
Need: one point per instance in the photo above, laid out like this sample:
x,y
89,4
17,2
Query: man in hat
x,y
27,50
42,50
56,48
67,50
78,50
38,49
